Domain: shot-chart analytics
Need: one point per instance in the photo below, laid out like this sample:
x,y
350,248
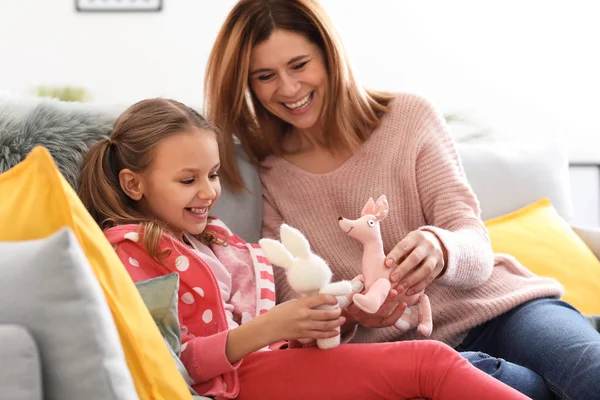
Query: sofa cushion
x,y
20,370
508,176
242,211
160,296
545,243
36,202
48,287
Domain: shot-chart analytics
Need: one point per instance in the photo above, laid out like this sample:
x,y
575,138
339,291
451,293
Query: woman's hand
x,y
417,260
297,319
387,315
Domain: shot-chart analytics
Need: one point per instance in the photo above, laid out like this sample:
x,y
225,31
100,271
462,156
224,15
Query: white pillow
x,y
508,176
48,287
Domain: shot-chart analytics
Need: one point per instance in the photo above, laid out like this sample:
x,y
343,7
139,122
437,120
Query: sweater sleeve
x,y
204,358
450,206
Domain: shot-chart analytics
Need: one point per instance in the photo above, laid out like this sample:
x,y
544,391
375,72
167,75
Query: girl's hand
x,y
297,319
387,315
417,260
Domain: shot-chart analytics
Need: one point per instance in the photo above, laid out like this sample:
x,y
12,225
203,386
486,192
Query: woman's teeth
x,y
300,103
199,210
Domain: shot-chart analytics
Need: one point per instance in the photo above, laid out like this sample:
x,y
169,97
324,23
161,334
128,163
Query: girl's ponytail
x,y
99,187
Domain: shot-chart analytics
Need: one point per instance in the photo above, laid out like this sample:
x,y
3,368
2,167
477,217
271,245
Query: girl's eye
x,y
371,222
214,176
264,78
301,65
188,181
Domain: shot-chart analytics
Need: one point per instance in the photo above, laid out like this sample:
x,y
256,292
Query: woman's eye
x,y
264,78
301,65
188,181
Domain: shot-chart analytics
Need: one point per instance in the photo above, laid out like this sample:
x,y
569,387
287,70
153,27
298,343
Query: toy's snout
x,y
345,224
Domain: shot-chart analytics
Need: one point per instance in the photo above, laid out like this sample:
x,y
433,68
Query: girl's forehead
x,y
195,149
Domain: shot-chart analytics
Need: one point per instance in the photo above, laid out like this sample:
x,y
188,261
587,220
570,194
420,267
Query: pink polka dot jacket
x,y
202,316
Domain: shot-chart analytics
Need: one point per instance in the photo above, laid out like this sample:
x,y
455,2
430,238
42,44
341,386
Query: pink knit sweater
x,y
412,159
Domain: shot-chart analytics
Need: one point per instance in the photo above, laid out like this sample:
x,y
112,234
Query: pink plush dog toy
x,y
375,274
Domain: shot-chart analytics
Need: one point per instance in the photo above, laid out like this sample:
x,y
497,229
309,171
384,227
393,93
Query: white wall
x,y
527,69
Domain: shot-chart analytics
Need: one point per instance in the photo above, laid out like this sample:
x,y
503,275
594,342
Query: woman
x,y
278,79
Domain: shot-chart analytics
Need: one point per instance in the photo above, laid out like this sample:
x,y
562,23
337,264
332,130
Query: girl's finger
x,y
327,325
319,300
325,315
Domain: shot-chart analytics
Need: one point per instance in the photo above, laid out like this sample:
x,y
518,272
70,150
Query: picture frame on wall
x,y
118,5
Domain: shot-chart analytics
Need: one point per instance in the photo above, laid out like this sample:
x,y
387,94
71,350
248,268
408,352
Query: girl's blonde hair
x,y
135,134
350,113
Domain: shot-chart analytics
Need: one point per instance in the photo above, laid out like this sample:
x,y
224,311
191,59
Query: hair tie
x,y
110,143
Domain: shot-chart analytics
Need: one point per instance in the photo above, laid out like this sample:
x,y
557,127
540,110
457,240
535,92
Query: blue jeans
x,y
544,338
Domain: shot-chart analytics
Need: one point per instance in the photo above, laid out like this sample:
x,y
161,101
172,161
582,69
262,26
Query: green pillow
x,y
160,297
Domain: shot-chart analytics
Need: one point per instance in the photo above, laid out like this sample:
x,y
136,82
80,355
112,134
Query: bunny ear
x,y
294,241
381,208
369,208
276,253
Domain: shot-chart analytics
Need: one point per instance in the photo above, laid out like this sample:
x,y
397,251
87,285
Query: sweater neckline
x,y
353,159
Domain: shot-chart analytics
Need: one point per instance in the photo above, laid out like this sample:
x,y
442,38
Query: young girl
x,y
151,186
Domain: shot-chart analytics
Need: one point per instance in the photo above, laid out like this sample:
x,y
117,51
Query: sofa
x,y
505,177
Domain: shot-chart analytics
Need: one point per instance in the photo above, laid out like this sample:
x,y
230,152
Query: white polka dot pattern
x,y
134,262
199,291
207,316
133,236
182,263
187,298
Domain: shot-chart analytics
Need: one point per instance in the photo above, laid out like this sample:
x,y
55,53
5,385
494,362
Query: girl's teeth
x,y
298,104
198,210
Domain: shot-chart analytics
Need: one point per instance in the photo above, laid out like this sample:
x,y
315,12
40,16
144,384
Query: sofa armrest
x,y
20,369
591,237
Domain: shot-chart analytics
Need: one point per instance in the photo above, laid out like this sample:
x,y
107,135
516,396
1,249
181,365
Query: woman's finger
x,y
423,270
400,251
395,315
407,266
422,284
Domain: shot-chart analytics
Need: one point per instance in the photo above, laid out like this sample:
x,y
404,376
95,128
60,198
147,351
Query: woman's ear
x,y
131,183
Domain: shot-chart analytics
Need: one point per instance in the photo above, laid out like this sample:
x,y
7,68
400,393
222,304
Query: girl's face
x,y
289,78
181,185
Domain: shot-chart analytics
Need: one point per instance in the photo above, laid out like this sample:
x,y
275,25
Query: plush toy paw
x,y
367,304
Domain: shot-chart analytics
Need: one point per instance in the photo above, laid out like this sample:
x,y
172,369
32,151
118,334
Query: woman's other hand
x,y
387,315
416,260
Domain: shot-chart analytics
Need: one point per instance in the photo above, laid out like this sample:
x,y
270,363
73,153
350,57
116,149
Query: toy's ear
x,y
369,208
295,242
381,208
276,253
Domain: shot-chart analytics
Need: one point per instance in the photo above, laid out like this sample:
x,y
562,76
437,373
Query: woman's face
x,y
289,78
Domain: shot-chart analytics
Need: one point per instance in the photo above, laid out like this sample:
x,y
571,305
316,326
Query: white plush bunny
x,y
307,273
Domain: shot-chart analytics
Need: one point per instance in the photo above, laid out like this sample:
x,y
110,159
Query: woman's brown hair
x,y
351,113
136,132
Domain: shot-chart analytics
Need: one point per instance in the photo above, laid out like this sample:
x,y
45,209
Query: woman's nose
x,y
289,86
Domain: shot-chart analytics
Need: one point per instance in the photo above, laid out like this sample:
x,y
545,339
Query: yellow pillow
x,y
545,243
36,202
